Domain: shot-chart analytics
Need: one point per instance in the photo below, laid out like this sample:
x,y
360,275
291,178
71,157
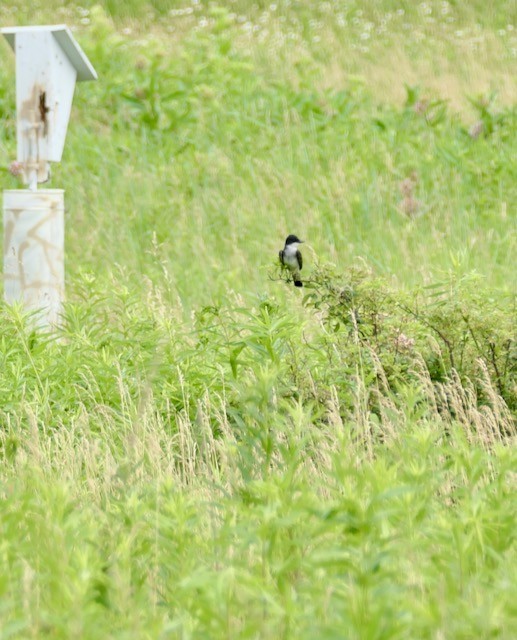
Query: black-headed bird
x,y
291,257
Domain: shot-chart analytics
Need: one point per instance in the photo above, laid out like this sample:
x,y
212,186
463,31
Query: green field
x,y
203,450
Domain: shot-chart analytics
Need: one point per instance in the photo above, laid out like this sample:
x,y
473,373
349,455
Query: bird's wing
x,y
299,258
281,256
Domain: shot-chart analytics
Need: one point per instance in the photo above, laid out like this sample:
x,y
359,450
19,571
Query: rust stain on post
x,y
33,251
8,232
34,111
34,107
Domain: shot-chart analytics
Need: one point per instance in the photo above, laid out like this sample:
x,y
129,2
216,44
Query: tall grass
x,y
246,477
202,451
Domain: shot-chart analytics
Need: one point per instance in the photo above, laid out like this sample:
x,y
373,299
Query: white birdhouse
x,y
48,63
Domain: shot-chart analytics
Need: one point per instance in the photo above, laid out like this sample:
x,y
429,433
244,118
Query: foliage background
x,y
203,451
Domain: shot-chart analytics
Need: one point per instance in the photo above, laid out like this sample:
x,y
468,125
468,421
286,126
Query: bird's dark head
x,y
292,239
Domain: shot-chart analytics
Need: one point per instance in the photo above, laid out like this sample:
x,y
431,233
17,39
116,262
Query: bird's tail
x,y
297,281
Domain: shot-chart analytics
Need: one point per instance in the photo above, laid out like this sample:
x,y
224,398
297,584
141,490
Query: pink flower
x,y
476,129
16,168
403,343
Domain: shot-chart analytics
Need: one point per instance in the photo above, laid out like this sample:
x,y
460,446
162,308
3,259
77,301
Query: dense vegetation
x,y
202,450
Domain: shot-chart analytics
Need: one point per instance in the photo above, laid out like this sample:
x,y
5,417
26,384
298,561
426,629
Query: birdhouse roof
x,y
66,41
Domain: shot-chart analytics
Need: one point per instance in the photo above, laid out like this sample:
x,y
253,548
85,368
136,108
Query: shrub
x,y
455,327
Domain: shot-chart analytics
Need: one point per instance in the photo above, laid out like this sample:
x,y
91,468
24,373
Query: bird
x,y
291,257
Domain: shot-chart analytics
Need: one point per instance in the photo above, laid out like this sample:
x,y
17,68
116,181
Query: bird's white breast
x,y
290,258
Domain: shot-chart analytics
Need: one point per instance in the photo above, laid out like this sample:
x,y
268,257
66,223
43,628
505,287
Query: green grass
x,y
202,451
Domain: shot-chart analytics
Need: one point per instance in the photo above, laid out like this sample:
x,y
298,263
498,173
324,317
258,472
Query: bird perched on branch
x,y
291,257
